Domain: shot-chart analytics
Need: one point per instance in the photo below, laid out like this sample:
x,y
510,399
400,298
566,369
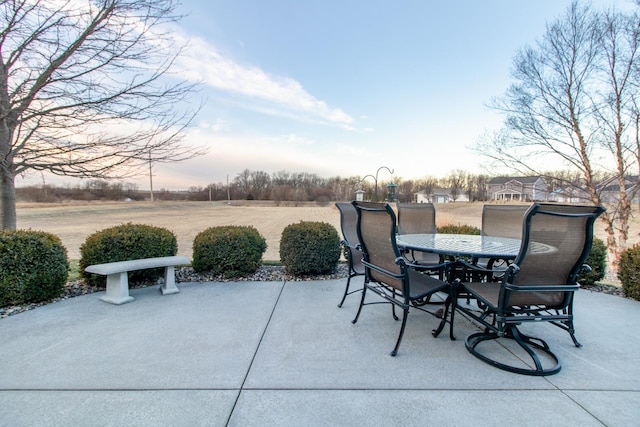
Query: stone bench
x,y
118,281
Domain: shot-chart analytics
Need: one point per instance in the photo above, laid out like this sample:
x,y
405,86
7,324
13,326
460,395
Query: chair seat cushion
x,y
423,284
490,292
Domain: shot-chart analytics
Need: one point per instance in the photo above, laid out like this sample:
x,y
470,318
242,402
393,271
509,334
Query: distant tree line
x,y
281,186
95,189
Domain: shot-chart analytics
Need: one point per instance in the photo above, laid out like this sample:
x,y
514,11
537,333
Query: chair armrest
x,y
417,266
347,245
382,270
545,288
586,269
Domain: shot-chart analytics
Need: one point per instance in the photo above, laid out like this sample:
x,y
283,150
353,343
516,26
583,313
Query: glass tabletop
x,y
461,245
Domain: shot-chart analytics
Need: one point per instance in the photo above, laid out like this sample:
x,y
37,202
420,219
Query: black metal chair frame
x,y
378,278
351,245
502,319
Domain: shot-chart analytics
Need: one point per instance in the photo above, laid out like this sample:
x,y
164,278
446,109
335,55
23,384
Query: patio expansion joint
x,y
253,358
581,406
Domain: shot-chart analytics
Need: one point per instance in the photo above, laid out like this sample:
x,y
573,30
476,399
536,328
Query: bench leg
x,y
169,286
117,289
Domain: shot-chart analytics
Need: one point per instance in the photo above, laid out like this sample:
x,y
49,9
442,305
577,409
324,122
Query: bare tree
x,y
86,90
405,190
573,101
476,187
456,182
243,182
261,183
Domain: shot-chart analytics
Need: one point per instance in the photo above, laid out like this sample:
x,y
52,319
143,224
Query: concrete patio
x,y
275,353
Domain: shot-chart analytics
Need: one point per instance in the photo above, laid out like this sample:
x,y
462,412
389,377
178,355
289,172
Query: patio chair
x,y
420,218
538,287
501,221
387,273
351,245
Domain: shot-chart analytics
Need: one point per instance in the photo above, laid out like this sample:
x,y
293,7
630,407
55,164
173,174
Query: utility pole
x,y
150,177
44,186
228,193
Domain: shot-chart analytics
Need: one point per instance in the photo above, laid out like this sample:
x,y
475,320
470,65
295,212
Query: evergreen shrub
x,y
458,229
629,272
309,247
232,251
597,260
33,267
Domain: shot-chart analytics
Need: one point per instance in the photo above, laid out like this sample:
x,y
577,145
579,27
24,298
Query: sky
x,y
345,87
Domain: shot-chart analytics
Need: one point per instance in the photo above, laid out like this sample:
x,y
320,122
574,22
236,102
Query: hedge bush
x,y
597,260
126,242
33,267
232,251
458,229
309,247
629,271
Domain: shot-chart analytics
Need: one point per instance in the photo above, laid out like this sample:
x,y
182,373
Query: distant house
x,y
517,188
569,194
608,189
440,195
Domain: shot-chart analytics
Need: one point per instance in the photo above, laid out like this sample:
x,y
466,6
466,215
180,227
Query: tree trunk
x,y
7,199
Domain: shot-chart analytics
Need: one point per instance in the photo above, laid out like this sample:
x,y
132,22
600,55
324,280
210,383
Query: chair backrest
x,y
348,225
416,218
377,234
556,241
503,220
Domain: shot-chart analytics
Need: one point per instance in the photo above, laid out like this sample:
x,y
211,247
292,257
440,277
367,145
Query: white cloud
x,y
204,63
219,125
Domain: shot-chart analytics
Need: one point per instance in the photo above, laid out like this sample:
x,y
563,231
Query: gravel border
x,y
266,273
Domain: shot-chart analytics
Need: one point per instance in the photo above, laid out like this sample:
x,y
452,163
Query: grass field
x,y
73,222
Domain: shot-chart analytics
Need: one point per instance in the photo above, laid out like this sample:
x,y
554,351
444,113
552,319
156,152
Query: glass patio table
x,y
461,245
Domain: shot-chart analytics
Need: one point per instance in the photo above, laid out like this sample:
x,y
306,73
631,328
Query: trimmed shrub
x,y
629,271
458,229
126,242
33,266
309,247
232,251
597,260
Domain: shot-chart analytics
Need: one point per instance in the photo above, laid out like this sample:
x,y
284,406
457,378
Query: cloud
x,y
219,125
204,63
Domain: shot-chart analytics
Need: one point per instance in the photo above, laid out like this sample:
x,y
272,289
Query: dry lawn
x,y
73,222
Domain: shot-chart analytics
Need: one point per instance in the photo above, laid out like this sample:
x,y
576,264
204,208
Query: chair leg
x,y
393,307
364,292
346,290
572,334
453,301
443,319
567,325
404,323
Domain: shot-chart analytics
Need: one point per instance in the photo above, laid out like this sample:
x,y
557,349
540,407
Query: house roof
x,y
521,179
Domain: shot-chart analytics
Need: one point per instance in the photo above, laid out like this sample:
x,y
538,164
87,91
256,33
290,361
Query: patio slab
x,y
274,353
